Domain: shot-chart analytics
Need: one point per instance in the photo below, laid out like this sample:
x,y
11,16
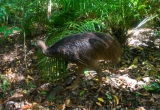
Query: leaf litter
x,y
133,85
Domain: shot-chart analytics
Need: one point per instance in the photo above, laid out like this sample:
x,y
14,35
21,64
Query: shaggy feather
x,y
85,50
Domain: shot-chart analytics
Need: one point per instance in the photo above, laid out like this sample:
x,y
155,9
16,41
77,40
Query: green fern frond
x,y
52,69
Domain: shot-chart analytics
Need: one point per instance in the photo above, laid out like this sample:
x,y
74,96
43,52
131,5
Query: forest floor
x,y
133,85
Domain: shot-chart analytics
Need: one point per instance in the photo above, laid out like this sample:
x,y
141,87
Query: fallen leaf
x,y
100,99
116,98
9,39
135,61
99,103
61,107
140,108
27,81
29,77
95,79
9,71
17,62
26,107
139,48
153,59
68,102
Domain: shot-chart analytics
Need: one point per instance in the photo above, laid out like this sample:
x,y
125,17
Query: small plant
x,y
6,31
153,87
31,85
82,93
25,91
137,96
4,84
109,96
43,93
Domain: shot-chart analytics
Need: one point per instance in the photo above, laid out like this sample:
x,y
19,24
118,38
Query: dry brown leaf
x,y
9,71
29,77
140,108
68,102
61,107
26,107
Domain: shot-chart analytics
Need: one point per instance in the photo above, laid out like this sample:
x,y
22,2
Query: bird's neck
x,y
43,47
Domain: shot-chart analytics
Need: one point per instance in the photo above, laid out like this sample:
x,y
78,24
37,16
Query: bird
x,y
85,50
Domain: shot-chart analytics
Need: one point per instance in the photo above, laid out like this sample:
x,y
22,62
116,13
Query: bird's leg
x,y
77,79
99,73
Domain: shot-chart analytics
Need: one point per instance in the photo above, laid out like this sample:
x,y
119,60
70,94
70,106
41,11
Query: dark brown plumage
x,y
85,50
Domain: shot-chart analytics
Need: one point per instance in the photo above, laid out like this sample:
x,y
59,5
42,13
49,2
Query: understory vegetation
x,y
22,22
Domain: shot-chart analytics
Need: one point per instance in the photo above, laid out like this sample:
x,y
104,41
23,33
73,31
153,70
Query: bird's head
x,y
41,45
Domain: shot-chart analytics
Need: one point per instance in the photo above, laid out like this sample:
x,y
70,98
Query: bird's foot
x,y
72,87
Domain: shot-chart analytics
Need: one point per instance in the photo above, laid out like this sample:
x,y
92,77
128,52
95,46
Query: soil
x,y
133,85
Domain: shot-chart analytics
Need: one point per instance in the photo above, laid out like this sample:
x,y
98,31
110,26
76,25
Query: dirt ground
x,y
133,85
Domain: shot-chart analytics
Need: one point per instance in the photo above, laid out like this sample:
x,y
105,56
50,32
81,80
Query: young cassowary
x,y
85,50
